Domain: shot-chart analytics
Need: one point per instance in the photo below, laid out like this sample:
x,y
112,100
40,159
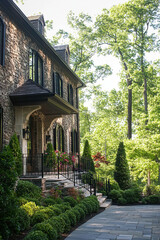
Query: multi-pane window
x,y
58,138
1,128
2,41
57,84
35,67
70,94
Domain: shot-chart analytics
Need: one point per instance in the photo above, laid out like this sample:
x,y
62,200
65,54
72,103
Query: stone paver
x,y
141,222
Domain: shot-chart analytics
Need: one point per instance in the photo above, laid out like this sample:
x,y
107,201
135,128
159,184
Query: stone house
x,y
38,89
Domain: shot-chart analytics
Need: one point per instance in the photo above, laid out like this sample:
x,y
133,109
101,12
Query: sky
x,y
57,10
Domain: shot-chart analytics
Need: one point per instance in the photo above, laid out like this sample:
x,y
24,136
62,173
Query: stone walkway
x,y
141,222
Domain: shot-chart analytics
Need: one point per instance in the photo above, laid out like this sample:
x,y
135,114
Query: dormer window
x,y
70,94
2,42
35,67
57,84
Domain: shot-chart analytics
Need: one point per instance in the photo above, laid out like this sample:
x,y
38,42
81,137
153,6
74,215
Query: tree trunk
x,y
129,83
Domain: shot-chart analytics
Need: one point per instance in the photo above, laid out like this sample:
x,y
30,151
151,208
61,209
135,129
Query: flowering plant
x,y
65,158
98,158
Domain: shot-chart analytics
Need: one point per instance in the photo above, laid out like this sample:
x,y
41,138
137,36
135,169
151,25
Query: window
x,y
57,84
2,42
74,141
58,138
1,128
70,94
35,67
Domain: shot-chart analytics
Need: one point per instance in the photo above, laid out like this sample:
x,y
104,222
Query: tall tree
x,y
124,31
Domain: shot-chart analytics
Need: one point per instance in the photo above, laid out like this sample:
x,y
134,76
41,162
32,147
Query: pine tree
x,y
86,159
121,173
17,154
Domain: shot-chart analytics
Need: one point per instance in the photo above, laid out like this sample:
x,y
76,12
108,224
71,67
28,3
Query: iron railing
x,y
34,166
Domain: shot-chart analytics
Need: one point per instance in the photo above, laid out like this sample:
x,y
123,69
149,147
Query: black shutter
x,y
1,128
4,40
57,83
68,92
61,88
62,140
54,138
72,141
54,83
71,94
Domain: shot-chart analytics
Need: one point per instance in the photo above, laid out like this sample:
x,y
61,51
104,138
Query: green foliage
x,y
30,208
38,217
150,190
86,159
16,152
70,200
115,195
50,159
8,206
67,221
55,209
57,223
36,235
130,196
122,201
71,215
48,201
121,174
47,229
27,189
23,219
153,199
81,211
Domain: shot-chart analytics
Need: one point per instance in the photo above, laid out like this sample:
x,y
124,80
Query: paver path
x,y
121,223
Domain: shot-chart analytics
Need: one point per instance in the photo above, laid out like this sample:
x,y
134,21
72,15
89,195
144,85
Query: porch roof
x,y
31,93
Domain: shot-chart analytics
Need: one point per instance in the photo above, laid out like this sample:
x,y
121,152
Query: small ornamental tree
x,y
16,152
86,159
121,173
50,159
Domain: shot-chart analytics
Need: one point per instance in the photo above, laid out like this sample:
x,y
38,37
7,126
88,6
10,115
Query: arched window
x,y
1,128
2,41
58,138
35,67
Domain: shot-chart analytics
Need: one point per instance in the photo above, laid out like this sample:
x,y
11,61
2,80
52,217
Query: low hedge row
x,y
54,226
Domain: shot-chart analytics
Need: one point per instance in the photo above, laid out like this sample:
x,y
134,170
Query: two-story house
x,y
38,89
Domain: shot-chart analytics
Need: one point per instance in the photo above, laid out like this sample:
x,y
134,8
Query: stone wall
x,y
16,71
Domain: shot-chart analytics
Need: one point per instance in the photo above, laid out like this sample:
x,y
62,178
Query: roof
x,y
23,22
31,93
36,17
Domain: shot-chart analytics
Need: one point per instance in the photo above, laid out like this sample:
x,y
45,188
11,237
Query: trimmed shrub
x,y
151,189
130,196
57,223
50,159
70,200
81,211
38,217
56,209
76,213
115,195
153,199
48,201
28,189
86,159
121,173
114,184
47,229
63,207
23,219
30,208
16,152
81,205
36,235
67,221
72,217
121,201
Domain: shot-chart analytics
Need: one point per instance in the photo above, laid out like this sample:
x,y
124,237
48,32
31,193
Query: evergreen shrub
x,y
71,215
50,158
16,152
121,173
67,221
38,217
70,200
86,159
36,235
28,189
30,208
47,229
115,195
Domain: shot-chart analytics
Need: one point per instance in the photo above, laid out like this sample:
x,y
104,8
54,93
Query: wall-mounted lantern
x,y
48,138
26,133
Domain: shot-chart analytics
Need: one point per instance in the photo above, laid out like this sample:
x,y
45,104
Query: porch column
x,y
22,114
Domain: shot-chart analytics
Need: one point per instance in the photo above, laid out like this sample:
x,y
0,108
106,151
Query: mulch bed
x,y
22,235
